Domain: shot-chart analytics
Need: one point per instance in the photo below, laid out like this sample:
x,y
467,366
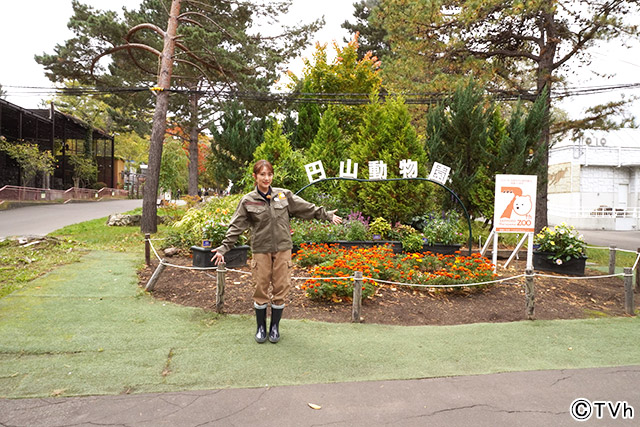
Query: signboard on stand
x,y
515,203
515,210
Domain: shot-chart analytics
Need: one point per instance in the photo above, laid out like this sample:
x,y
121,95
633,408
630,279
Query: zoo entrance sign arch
x,y
438,172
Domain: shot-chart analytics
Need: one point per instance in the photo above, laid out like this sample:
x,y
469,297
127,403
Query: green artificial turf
x,y
88,329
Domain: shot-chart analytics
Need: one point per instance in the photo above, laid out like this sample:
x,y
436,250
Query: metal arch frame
x,y
466,214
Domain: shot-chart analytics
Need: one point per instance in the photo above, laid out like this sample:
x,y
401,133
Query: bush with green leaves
x,y
30,159
563,243
213,215
380,227
288,164
356,231
443,229
412,242
315,231
388,137
354,228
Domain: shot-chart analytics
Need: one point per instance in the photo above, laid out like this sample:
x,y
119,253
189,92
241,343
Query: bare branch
x,y
504,53
196,66
128,46
578,46
145,26
191,21
206,63
134,30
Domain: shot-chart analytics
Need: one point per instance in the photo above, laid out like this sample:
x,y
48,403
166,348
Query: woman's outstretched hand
x,y
217,257
336,219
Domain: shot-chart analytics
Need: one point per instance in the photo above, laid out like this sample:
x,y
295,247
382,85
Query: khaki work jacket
x,y
269,222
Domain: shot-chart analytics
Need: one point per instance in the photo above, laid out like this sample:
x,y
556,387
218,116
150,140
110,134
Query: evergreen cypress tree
x,y
329,145
288,164
457,136
387,135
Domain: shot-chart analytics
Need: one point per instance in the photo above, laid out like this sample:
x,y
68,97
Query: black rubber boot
x,y
261,320
274,327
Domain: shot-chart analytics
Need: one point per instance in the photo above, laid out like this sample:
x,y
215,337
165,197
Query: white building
x,y
594,181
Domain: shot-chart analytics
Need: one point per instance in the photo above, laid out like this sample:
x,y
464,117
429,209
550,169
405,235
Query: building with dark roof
x,y
60,133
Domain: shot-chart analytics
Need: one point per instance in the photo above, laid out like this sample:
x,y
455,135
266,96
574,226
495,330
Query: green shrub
x,y
288,164
380,227
412,242
315,231
190,230
356,231
563,242
439,229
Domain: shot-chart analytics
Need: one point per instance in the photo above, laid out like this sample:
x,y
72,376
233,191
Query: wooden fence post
x,y
637,272
155,276
357,297
612,259
530,293
147,249
629,305
220,286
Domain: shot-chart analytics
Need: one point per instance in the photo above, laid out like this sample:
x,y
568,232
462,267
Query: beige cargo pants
x,y
271,269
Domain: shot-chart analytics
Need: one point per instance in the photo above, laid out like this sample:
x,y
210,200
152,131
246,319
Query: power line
x,y
343,98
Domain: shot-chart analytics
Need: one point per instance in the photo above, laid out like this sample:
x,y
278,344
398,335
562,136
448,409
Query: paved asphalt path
x,y
525,399
41,220
629,240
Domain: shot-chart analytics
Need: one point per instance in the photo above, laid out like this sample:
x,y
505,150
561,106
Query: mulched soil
x,y
400,305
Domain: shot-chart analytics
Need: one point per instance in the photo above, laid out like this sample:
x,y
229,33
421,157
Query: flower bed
x,y
436,234
380,263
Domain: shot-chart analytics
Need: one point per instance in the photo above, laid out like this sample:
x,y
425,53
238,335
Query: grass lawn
x,y
88,329
73,321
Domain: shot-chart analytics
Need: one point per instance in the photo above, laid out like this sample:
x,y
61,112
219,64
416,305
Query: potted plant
x,y
440,233
213,233
203,227
560,250
412,242
379,228
409,237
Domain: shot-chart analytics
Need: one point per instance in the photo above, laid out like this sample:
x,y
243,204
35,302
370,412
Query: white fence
x,y
595,156
602,218
30,194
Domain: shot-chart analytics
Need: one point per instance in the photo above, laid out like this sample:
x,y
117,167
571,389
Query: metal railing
x,y
30,194
599,212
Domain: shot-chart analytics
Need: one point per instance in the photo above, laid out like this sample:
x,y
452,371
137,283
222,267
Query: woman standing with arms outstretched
x,y
266,211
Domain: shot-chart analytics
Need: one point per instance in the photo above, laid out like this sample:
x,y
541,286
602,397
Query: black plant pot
x,y
236,257
441,248
574,267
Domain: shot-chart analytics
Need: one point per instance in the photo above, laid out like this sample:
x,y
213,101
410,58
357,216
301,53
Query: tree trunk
x,y
149,208
548,48
193,145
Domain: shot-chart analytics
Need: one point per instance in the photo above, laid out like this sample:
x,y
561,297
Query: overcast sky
x,y
30,27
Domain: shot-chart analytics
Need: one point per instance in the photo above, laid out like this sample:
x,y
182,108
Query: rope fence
x,y
358,279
